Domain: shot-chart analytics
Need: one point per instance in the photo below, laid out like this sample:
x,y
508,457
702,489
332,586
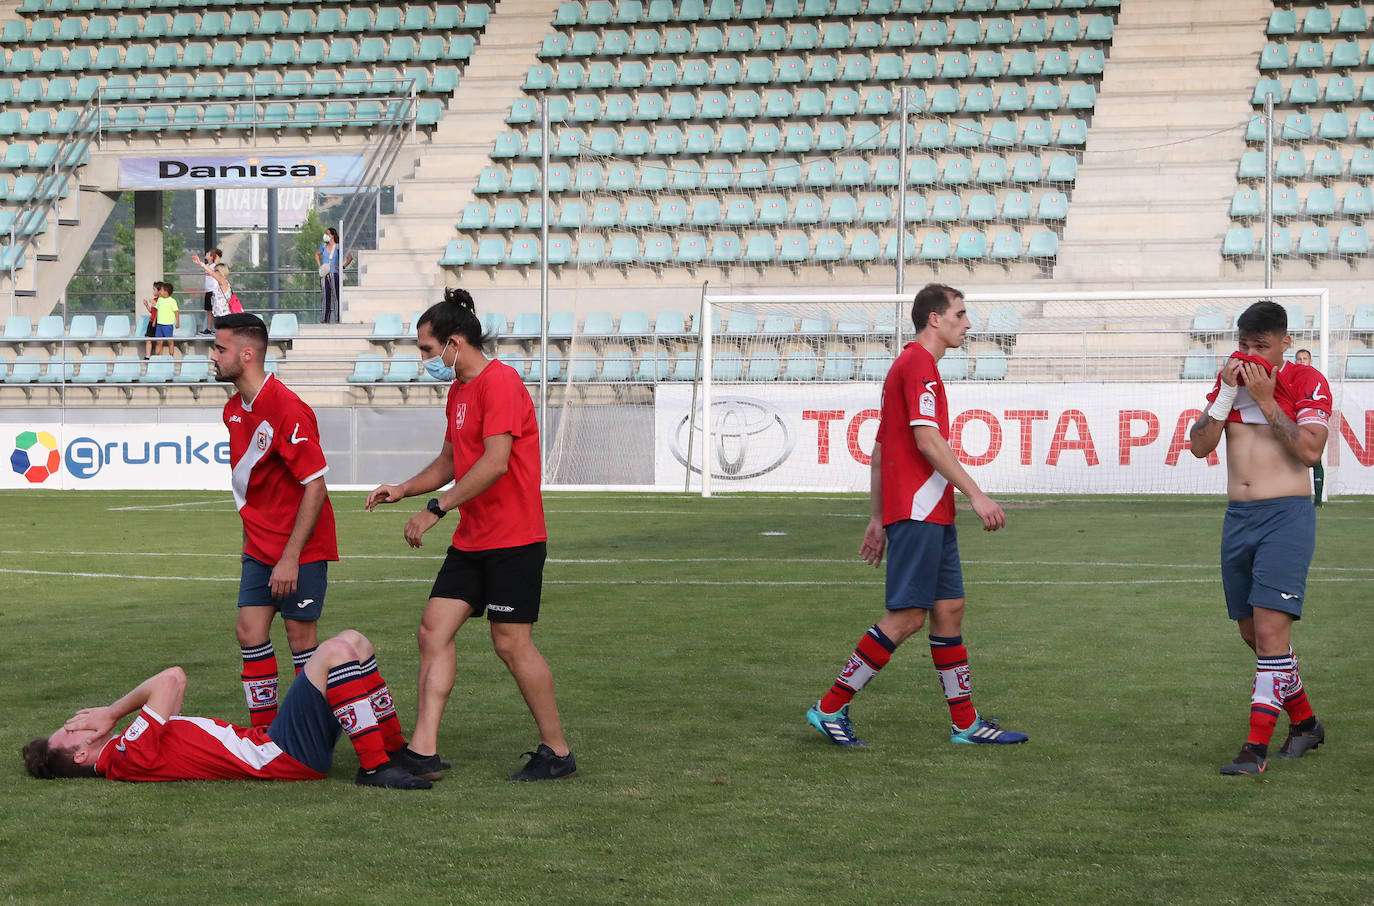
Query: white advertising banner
x,y
162,457
1012,438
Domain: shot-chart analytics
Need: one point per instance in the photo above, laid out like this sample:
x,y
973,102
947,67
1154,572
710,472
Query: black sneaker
x,y
544,765
1251,760
1299,742
430,767
391,777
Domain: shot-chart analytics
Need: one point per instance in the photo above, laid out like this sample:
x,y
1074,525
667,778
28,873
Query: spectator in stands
x,y
212,257
217,286
165,314
1304,357
327,258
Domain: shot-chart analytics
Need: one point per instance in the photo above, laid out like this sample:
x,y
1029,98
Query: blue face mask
x,y
436,368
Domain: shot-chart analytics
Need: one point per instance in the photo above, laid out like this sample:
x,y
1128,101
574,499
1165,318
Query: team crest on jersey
x,y
261,440
460,415
928,404
348,718
136,729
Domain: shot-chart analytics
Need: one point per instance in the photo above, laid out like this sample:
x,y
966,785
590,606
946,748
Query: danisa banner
x,y
240,172
1012,438
171,457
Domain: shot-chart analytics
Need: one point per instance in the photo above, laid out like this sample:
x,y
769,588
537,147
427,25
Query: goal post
x,y
1051,393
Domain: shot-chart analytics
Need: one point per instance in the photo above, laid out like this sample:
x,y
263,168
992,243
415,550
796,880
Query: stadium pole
x,y
1269,190
706,420
696,384
544,289
903,125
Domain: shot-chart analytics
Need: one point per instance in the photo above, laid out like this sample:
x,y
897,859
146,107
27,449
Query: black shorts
x,y
506,582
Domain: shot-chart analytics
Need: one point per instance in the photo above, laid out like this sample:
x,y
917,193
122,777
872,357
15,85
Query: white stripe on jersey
x,y
243,469
928,496
255,755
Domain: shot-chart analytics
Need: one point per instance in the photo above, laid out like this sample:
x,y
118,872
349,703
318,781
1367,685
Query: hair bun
x,y
454,295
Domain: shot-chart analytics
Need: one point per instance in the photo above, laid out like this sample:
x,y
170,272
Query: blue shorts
x,y
305,726
1266,547
304,605
922,565
163,331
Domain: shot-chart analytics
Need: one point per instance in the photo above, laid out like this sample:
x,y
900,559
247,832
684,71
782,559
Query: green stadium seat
x,y
1239,241
1043,244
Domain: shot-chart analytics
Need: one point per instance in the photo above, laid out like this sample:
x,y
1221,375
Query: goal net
x,y
1071,393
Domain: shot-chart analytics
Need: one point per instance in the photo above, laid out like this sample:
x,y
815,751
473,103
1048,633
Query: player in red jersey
x,y
342,691
496,560
913,476
1274,416
277,475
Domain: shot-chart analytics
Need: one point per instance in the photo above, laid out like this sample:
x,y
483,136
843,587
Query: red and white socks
x,y
298,658
872,654
349,692
259,679
1273,676
1295,701
951,665
382,705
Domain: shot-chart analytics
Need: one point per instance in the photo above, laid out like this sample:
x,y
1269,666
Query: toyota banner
x,y
1012,438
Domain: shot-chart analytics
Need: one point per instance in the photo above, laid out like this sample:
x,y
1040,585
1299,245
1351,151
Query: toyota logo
x,y
749,438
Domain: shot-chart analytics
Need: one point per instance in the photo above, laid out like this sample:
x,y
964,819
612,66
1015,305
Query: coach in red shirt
x,y
277,473
496,561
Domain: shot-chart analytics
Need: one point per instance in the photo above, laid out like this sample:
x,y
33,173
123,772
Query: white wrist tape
x,y
1226,398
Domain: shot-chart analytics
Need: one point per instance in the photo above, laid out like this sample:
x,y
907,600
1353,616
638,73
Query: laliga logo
x,y
35,456
749,438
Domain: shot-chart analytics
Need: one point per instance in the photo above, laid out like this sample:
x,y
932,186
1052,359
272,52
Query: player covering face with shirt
x,y
1274,417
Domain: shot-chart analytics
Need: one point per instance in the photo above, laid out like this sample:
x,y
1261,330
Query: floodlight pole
x,y
544,289
1268,190
901,191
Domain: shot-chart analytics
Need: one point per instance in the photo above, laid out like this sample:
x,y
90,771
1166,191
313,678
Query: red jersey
x,y
510,513
1300,391
913,394
274,450
196,748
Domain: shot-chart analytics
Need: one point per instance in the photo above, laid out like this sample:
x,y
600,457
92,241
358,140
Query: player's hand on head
x,y
98,720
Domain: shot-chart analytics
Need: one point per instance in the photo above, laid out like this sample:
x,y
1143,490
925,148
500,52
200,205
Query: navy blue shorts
x,y
305,604
1266,548
922,565
506,582
163,331
305,726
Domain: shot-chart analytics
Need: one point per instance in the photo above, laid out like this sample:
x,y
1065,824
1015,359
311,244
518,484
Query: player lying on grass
x,y
1274,417
342,691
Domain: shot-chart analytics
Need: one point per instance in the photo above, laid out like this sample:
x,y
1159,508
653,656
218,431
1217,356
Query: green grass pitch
x,y
688,637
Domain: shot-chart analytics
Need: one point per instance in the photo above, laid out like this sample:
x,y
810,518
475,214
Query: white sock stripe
x,y
256,652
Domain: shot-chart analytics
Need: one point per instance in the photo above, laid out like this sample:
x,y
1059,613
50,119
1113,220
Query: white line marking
x,y
166,506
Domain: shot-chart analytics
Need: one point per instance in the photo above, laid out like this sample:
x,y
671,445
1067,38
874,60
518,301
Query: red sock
x,y
259,679
349,698
951,664
298,658
383,706
1272,677
874,651
1295,697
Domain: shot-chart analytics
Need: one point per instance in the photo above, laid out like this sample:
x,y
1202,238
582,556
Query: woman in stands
x,y
219,296
327,257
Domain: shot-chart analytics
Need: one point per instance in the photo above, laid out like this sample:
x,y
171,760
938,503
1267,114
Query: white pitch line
x,y
165,506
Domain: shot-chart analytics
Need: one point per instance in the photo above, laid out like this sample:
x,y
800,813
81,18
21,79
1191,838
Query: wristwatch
x,y
433,506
